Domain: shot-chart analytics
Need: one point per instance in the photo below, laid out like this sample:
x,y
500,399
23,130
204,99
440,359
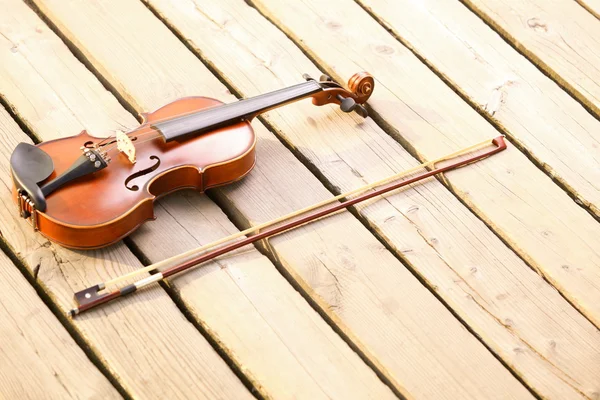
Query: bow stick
x,y
90,297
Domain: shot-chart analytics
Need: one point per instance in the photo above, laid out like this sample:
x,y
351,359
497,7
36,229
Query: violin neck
x,y
184,127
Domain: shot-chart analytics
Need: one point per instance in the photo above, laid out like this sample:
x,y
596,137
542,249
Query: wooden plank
x,y
520,203
351,277
283,346
592,6
559,36
39,358
146,343
227,30
532,109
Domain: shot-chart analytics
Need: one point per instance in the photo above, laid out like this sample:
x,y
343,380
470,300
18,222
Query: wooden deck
x,y
482,284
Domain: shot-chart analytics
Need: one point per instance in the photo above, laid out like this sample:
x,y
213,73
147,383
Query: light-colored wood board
x,y
337,262
559,36
531,108
519,202
39,358
281,343
592,6
505,302
273,335
144,342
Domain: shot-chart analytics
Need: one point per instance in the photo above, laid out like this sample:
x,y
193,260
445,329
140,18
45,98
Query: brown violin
x,y
86,192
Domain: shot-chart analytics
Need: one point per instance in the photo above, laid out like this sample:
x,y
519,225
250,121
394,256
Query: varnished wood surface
x,y
351,268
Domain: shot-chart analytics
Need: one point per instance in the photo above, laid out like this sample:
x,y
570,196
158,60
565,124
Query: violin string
x,y
167,119
135,143
149,130
137,133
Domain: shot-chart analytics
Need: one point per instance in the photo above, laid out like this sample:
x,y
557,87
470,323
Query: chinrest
x,y
30,165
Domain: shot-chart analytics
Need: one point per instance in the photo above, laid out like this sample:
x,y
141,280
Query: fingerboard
x,y
193,124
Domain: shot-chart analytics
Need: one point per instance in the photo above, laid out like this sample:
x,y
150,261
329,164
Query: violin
x,y
86,192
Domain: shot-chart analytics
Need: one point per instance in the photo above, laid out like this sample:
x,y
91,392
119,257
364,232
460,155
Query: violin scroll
x,y
360,88
362,84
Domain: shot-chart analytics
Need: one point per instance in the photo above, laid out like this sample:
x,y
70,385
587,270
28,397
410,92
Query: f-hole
x,y
143,172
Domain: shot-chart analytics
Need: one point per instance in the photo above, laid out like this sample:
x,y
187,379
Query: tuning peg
x,y
361,110
307,77
347,104
326,78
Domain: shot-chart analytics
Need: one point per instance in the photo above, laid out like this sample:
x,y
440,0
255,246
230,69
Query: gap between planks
x,y
264,247
220,348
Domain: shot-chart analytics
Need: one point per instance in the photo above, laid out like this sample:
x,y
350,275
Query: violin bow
x,y
91,296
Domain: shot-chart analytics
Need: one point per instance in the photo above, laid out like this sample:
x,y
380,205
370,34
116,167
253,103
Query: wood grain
x,y
454,252
559,36
279,342
352,278
39,358
532,109
138,339
519,202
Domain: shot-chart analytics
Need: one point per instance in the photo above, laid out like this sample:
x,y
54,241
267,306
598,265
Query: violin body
x,y
86,192
109,204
